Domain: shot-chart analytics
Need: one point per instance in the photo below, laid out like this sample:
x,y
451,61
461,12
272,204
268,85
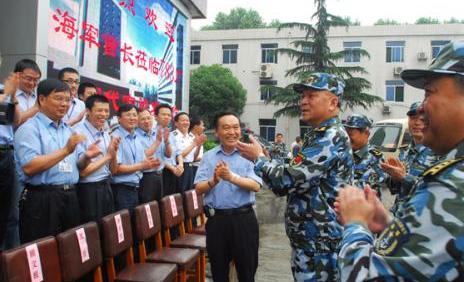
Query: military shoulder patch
x,y
376,153
391,238
440,167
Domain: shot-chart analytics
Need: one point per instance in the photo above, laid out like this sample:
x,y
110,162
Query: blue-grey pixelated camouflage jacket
x,y
424,242
416,158
367,168
311,182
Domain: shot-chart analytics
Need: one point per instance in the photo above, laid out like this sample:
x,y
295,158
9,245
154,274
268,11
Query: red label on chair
x,y
195,200
173,206
84,248
149,217
119,229
33,259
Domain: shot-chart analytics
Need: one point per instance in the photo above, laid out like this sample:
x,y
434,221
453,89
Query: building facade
x,y
251,56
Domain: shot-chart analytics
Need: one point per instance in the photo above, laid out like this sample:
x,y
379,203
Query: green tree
x,y
214,89
427,20
312,54
275,23
453,20
238,18
386,22
349,21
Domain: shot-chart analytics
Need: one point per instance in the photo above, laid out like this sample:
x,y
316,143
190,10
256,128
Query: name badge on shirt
x,y
65,166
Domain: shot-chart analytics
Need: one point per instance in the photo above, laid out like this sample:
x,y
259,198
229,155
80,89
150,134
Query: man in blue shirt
x,y
50,159
7,164
76,109
131,160
229,183
155,143
94,190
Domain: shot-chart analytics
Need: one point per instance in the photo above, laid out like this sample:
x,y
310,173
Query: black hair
x,y
222,114
83,86
194,121
160,106
90,102
279,134
125,108
27,64
50,85
176,118
298,139
65,70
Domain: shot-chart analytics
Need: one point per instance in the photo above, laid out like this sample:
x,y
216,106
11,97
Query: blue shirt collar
x,y
144,133
47,121
93,130
126,133
19,92
220,149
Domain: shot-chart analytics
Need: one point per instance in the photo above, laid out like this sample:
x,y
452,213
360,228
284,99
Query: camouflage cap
x,y
321,81
450,61
413,108
358,121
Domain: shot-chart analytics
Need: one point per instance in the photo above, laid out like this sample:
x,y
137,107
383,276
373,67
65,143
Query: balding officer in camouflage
x,y
312,180
367,159
415,159
425,242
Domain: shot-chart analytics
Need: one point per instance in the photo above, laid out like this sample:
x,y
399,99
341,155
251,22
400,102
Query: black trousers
x,y
47,211
233,237
186,179
151,187
95,200
170,182
7,180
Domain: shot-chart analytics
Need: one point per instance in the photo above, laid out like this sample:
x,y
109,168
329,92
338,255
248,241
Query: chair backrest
x,y
193,204
172,210
80,251
32,261
147,220
117,233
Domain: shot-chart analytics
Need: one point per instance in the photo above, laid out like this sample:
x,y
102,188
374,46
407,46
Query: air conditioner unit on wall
x,y
422,56
266,71
397,70
386,110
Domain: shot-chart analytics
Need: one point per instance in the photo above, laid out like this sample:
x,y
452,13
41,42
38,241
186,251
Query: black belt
x,y
4,147
63,187
103,182
153,172
188,164
210,212
127,186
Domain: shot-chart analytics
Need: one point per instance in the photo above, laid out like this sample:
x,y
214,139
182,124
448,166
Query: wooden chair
x,y
38,258
117,239
80,252
194,209
173,217
148,225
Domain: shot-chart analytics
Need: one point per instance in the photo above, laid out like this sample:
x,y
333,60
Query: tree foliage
x,y
386,22
240,18
427,20
214,89
312,54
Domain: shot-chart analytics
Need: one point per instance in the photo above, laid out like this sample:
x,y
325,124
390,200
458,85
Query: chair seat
x,y
184,258
147,272
192,241
200,230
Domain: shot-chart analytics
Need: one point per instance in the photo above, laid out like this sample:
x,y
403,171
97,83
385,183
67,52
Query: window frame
x,y
266,49
353,47
267,125
229,51
391,56
397,86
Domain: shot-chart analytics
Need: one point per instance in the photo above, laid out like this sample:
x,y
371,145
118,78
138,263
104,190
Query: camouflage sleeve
x,y
424,244
407,183
275,175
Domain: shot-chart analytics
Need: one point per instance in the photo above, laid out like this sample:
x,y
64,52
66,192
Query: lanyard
x,y
93,137
72,109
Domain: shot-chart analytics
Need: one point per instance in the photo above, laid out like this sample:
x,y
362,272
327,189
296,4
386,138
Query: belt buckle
x,y
210,212
66,187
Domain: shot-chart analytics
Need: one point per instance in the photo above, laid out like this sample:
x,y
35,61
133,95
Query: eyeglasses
x,y
31,79
72,81
60,99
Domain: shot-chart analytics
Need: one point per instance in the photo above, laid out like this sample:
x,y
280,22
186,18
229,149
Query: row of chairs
x,y
78,252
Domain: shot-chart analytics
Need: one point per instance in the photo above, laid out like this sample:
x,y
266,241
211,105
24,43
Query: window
x,y
266,93
395,90
267,129
269,53
352,54
395,51
229,54
308,51
304,128
195,55
437,45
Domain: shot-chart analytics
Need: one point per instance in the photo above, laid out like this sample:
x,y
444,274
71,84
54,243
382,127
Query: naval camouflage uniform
x,y
278,151
425,241
311,182
367,170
